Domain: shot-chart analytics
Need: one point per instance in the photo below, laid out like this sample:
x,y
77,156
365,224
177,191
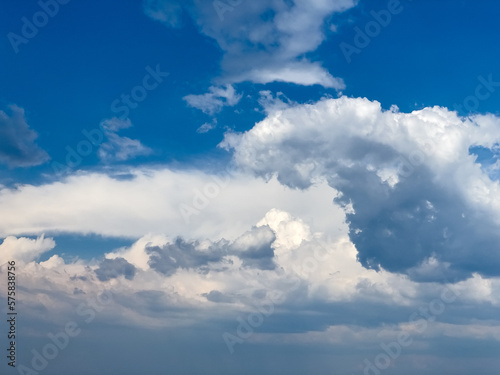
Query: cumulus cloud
x,y
17,141
412,193
24,249
266,41
213,101
119,148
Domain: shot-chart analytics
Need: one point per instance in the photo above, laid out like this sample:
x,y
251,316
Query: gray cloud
x,y
182,254
216,296
399,228
253,248
113,268
17,141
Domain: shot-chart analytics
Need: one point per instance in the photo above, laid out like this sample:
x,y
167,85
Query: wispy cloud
x,y
119,148
215,99
266,41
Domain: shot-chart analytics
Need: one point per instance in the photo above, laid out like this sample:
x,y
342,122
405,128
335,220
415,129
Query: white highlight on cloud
x,y
24,249
136,254
213,101
301,73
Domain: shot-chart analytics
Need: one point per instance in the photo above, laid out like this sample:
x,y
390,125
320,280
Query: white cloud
x,y
150,201
408,176
136,254
24,249
207,126
119,148
249,240
318,278
302,73
266,41
213,101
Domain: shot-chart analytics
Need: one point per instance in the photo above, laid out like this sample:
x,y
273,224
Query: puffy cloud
x,y
213,101
24,249
17,141
113,268
265,41
413,194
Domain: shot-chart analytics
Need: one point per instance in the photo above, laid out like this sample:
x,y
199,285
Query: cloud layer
x,y
367,224
135,202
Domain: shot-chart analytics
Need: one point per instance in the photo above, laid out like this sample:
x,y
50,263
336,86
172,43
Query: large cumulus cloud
x,y
415,199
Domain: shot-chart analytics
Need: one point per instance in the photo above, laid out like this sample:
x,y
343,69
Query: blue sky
x,y
260,186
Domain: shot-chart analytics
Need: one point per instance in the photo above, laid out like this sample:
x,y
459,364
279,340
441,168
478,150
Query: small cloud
x,y
167,12
213,101
113,268
17,141
120,148
207,126
181,254
218,297
114,124
304,73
